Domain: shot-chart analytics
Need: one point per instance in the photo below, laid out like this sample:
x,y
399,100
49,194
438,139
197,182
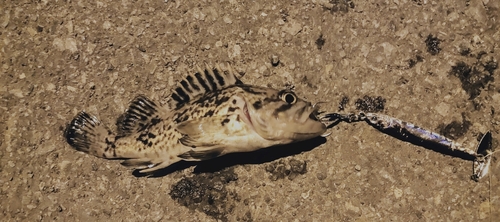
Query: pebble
x,y
275,60
398,193
106,25
6,19
227,20
305,195
443,109
71,88
197,14
293,28
17,92
321,175
236,51
357,167
65,44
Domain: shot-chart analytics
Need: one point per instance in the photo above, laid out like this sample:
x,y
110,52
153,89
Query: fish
x,y
210,113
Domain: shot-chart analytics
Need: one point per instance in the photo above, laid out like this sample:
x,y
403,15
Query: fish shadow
x,y
256,157
260,156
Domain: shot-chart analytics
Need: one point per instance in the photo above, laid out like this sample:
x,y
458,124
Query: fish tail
x,y
86,133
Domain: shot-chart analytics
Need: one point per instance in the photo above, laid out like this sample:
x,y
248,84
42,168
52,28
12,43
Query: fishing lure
x,y
481,156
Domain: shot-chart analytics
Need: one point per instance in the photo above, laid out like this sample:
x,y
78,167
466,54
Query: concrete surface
x,y
433,62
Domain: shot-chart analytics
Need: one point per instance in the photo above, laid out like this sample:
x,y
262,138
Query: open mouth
x,y
314,114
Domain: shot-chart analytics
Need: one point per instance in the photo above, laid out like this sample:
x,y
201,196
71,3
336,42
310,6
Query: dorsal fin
x,y
205,80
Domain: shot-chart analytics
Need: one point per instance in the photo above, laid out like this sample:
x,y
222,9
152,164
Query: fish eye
x,y
289,97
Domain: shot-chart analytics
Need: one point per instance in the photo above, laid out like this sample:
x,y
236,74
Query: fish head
x,y
281,116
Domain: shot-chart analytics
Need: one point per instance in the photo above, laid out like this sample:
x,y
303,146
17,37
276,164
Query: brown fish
x,y
211,113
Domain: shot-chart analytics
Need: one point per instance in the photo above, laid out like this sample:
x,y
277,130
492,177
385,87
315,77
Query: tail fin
x,y
85,133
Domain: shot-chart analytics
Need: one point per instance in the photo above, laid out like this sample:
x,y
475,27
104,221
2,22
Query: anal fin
x,y
203,154
146,165
140,164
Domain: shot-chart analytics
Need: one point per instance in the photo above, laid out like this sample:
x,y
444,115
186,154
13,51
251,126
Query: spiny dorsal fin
x,y
204,80
141,114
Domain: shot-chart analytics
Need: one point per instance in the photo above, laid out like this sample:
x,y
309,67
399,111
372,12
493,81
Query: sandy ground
x,y
433,63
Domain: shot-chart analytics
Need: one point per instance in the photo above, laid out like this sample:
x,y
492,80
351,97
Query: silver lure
x,y
482,154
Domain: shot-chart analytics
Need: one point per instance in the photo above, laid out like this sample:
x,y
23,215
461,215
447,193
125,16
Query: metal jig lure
x,y
481,156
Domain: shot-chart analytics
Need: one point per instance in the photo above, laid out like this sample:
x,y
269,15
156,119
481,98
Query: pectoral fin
x,y
211,137
216,130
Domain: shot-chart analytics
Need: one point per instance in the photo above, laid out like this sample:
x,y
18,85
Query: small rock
x,y
106,25
443,109
398,193
236,51
197,14
292,28
227,20
275,60
305,195
6,19
388,48
262,69
70,44
357,167
321,175
71,88
17,92
328,68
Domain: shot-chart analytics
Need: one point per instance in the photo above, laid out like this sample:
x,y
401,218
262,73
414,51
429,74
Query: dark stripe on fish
x,y
190,79
252,89
186,86
182,94
211,80
201,81
176,98
282,108
219,78
221,100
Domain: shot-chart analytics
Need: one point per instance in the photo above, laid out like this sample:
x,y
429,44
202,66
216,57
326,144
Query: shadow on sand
x,y
256,157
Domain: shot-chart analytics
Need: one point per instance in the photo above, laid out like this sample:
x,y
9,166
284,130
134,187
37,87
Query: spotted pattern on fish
x,y
209,113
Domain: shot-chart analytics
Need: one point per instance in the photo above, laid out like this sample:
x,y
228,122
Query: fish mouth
x,y
315,112
314,115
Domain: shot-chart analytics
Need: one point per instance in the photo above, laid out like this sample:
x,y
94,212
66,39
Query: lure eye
x,y
289,98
